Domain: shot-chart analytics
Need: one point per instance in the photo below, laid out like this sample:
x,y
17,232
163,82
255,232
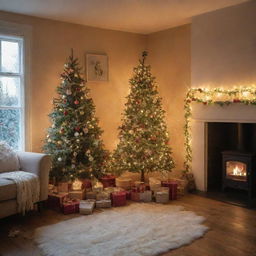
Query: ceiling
x,y
139,16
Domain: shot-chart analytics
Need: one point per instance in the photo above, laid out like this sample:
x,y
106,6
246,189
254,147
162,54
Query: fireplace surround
x,y
201,116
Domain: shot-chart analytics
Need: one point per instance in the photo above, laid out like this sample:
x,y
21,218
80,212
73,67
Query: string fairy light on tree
x,y
143,138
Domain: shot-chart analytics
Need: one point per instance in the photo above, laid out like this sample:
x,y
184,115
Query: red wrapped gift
x,y
108,181
70,206
86,183
128,195
55,200
135,196
172,185
118,198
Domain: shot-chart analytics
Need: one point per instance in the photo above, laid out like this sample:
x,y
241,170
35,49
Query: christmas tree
x,y
74,139
143,138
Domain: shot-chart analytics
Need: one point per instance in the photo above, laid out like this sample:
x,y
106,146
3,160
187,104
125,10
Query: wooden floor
x,y
232,230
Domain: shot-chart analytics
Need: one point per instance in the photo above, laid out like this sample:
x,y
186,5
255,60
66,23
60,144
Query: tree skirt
x,y
134,230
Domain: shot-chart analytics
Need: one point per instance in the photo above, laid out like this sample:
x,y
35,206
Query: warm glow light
x,y
77,185
238,171
215,96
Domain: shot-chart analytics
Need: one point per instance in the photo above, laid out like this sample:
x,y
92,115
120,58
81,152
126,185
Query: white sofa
x,y
36,163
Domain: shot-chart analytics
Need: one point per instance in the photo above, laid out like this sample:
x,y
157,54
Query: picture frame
x,y
96,67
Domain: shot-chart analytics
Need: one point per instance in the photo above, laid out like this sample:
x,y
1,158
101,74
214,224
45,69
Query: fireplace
x,y
236,168
231,161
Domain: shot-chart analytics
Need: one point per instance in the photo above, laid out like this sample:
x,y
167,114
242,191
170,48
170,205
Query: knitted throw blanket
x,y
28,189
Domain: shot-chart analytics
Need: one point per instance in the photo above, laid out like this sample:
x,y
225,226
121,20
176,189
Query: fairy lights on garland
x,y
216,96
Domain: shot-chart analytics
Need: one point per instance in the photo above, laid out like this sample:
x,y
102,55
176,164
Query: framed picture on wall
x,y
96,67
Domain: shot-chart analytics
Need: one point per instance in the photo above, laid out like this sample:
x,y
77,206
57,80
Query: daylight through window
x,y
11,91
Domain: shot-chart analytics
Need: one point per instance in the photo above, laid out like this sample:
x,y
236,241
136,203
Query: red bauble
x,y
236,101
65,113
76,102
77,129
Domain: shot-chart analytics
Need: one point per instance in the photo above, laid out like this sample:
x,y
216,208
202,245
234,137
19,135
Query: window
x,y
11,91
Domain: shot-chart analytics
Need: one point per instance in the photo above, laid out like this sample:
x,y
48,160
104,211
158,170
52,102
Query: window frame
x,y
21,76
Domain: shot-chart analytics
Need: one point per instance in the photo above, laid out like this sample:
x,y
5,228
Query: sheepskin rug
x,y
134,230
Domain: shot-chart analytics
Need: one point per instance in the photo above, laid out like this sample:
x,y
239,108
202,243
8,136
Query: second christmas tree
x,y
143,138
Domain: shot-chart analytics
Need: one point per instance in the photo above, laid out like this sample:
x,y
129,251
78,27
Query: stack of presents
x,y
82,196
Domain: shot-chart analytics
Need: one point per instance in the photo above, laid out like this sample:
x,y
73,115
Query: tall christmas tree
x,y
74,139
143,138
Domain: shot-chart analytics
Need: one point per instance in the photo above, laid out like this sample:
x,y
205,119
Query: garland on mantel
x,y
216,96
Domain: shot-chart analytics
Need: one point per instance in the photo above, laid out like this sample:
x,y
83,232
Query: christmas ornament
x,y
76,102
76,134
68,92
59,159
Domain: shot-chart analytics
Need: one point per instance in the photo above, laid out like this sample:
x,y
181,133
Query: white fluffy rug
x,y
135,230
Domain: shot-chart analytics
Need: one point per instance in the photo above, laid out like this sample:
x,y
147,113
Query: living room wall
x,y
169,55
170,58
51,44
223,46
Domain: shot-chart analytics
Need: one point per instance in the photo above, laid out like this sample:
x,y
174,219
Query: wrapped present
x,y
108,181
138,183
70,206
103,195
118,198
128,194
181,191
90,195
55,200
154,184
124,183
162,196
103,204
86,184
135,196
63,187
77,185
98,187
77,194
86,206
146,196
172,185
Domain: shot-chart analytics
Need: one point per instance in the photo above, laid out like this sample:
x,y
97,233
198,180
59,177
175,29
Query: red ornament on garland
x,y
77,128
65,113
76,102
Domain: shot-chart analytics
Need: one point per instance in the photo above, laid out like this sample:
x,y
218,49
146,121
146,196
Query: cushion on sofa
x,y
8,158
8,189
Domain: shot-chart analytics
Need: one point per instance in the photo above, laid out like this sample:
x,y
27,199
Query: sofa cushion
x,y
8,189
8,158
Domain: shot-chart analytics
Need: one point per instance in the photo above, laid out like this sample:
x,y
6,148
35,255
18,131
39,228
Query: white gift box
x,y
162,196
103,204
86,206
146,196
154,184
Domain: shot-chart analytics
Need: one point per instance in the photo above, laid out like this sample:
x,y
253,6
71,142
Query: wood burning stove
x,y
238,172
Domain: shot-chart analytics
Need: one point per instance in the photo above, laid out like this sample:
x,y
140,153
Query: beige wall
x,y
169,54
51,44
223,47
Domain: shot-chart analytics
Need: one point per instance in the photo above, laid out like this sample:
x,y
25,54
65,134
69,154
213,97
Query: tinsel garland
x,y
215,96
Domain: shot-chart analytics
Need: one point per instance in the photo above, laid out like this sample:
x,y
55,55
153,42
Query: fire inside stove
x,y
236,171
